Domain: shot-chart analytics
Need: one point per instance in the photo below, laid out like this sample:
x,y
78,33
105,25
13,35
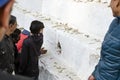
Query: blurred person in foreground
x,y
7,48
5,9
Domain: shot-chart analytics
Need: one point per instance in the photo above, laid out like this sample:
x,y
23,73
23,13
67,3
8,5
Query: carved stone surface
x,y
74,30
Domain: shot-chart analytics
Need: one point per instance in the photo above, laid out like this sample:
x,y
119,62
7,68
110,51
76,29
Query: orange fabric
x,y
20,42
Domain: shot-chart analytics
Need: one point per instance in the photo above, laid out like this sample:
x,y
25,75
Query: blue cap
x,y
3,2
26,32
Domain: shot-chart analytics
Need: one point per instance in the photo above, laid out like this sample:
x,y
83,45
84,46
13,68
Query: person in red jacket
x,y
25,33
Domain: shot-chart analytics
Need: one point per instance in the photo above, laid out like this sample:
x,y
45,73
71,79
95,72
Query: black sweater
x,y
29,55
6,55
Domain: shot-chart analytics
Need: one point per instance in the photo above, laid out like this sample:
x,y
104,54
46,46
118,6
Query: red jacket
x,y
20,42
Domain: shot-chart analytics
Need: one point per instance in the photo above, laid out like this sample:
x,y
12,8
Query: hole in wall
x,y
59,48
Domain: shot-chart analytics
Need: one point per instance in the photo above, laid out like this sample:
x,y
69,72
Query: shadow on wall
x,y
46,75
59,48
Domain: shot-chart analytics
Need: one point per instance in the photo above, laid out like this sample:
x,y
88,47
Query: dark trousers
x,y
35,78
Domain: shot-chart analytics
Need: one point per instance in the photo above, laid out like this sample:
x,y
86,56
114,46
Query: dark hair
x,y
17,31
12,20
16,35
36,26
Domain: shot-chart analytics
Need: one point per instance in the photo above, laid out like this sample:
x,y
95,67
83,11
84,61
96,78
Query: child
x,y
31,50
23,36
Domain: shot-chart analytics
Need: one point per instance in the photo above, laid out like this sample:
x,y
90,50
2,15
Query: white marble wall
x,y
74,28
90,17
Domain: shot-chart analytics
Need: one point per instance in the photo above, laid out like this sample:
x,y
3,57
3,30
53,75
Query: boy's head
x,y
36,27
115,6
12,25
16,35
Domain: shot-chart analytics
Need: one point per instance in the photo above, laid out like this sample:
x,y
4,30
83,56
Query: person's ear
x,y
116,2
41,31
118,5
11,27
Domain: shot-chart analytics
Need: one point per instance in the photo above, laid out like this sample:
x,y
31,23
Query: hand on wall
x,y
43,51
91,77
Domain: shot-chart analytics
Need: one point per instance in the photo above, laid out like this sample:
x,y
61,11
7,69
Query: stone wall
x,y
74,30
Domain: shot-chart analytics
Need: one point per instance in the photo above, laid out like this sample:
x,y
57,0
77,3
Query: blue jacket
x,y
108,67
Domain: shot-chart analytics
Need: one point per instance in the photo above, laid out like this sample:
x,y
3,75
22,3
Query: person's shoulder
x,y
26,41
115,20
5,38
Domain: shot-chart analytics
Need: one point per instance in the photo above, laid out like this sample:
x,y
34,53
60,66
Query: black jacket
x,y
16,59
29,55
4,76
6,55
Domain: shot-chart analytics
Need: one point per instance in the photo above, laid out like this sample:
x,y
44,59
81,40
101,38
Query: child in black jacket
x,y
31,50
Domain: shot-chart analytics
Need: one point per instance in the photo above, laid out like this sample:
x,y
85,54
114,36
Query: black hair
x,y
17,31
12,20
36,26
16,35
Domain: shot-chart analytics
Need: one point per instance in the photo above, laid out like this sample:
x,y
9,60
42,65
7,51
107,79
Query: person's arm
x,y
43,50
108,67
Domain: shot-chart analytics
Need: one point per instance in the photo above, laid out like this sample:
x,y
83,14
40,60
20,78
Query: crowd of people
x,y
19,50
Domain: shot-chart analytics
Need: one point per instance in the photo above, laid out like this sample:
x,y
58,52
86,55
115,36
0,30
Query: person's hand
x,y
91,77
43,50
5,14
